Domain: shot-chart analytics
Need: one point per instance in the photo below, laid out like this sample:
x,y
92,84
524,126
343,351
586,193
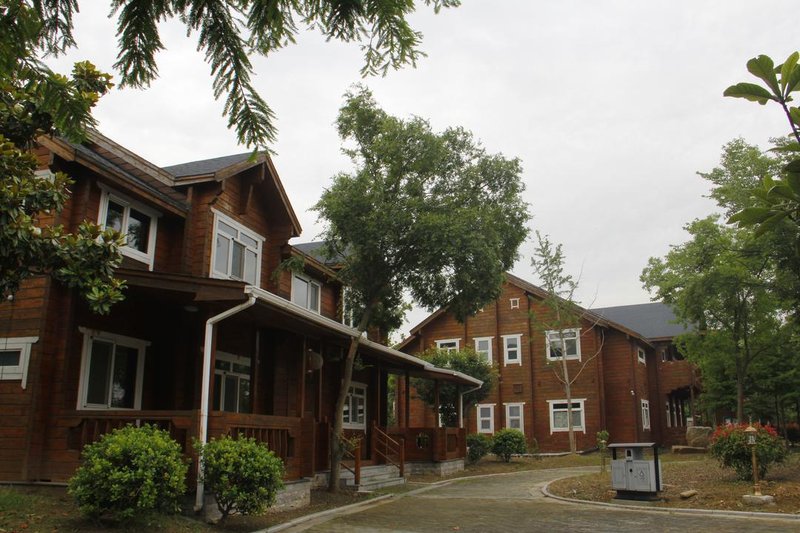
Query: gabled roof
x,y
206,166
654,320
220,168
104,156
538,292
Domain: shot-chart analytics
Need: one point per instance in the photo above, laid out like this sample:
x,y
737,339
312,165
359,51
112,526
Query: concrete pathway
x,y
514,502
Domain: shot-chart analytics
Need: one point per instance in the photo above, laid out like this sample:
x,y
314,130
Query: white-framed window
x,y
512,349
15,354
641,355
559,415
668,412
231,383
112,367
566,342
645,414
355,407
449,345
485,417
237,251
514,416
306,292
483,346
136,222
514,303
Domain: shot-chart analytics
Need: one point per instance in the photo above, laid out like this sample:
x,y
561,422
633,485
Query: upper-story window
x,y
483,346
449,345
641,355
563,343
306,292
136,222
514,303
237,251
15,353
512,345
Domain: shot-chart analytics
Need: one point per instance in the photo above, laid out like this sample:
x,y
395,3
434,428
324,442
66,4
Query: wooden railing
x,y
431,444
87,427
391,451
352,452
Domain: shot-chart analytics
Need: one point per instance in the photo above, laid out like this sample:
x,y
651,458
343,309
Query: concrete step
x,y
375,485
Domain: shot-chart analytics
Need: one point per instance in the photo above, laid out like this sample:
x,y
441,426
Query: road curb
x,y
676,510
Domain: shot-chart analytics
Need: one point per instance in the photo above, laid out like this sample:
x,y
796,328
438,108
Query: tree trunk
x,y
740,400
337,451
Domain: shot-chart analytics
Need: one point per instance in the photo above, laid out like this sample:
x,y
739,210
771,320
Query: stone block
x,y
752,499
698,436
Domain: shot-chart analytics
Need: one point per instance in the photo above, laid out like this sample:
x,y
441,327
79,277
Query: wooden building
x,y
625,381
210,338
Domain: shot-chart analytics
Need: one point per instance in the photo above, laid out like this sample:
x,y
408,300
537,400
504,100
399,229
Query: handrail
x,y
380,437
355,454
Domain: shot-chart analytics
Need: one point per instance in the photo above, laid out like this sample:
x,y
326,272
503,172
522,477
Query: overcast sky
x,y
612,106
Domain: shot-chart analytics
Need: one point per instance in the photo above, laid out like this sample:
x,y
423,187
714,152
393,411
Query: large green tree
x,y
430,214
466,361
231,32
719,282
36,101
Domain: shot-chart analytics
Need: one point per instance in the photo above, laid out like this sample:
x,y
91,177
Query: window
x,y
571,346
355,407
231,383
15,352
511,349
111,371
306,292
668,411
486,418
514,414
449,345
641,355
483,345
559,415
514,303
237,251
134,221
645,414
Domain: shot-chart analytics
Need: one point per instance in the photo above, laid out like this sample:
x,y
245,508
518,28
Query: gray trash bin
x,y
635,470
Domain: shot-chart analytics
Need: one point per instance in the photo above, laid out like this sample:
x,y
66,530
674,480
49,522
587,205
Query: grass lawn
x,y
717,487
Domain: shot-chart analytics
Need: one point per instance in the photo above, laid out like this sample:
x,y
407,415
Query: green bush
x,y
508,442
129,471
729,446
243,475
478,445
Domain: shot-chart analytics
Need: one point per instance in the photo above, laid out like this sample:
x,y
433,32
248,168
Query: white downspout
x,y
206,386
461,404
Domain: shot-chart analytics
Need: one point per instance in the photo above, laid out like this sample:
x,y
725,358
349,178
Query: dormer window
x,y
237,251
136,222
306,292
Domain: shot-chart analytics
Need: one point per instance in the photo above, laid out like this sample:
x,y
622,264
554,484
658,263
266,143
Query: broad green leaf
x,y
789,147
763,67
783,191
751,215
794,113
787,69
770,223
793,166
793,82
793,176
749,91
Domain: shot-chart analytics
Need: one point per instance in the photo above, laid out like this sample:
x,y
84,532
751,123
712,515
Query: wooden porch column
x,y
301,389
436,402
460,407
255,366
407,407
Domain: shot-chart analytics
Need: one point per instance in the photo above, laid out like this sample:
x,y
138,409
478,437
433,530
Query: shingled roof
x,y
206,166
654,320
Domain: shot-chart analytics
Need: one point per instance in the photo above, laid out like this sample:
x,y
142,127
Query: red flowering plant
x,y
729,446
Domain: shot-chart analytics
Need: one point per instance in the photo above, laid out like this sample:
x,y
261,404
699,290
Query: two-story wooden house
x,y
615,370
211,339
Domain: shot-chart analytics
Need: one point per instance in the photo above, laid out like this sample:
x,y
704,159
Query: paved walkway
x,y
514,502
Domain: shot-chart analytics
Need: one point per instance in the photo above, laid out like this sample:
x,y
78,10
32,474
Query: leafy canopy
x,y
466,361
430,213
36,101
231,32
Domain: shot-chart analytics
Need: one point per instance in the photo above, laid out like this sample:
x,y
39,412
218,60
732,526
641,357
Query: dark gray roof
x,y
653,320
206,166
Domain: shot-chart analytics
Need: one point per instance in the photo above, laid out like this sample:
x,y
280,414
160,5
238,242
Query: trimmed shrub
x,y
129,471
243,475
729,446
478,445
508,442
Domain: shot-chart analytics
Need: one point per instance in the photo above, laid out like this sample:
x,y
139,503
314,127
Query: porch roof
x,y
275,311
